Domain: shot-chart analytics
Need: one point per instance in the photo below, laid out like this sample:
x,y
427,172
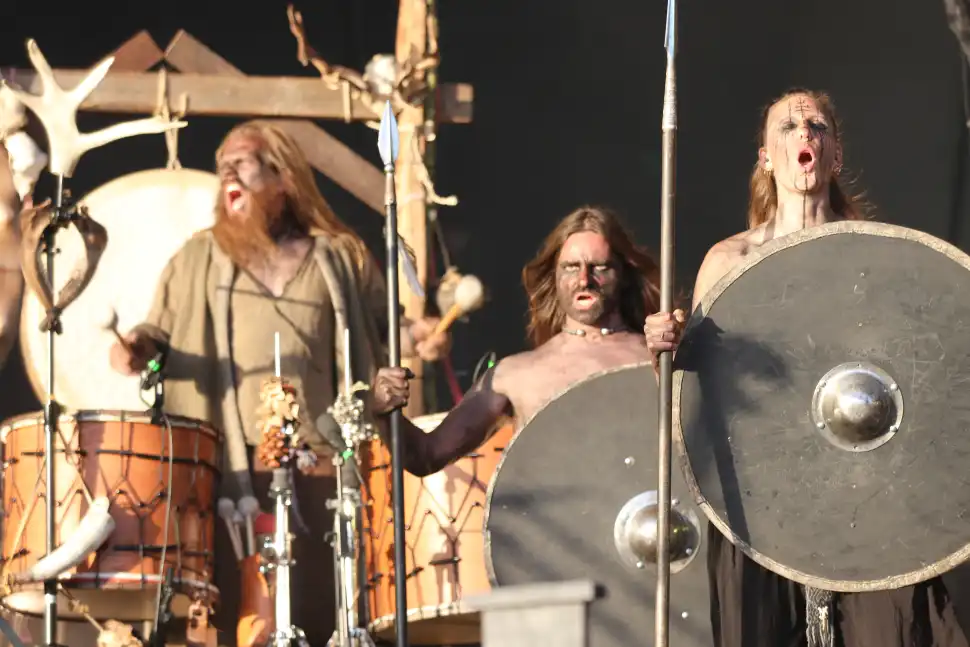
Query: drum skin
x,y
148,215
444,515
124,457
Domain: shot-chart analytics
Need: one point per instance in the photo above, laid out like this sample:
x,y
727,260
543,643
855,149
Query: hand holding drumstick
x,y
130,353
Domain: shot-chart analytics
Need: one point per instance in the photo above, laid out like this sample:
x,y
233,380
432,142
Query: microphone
x,y
152,374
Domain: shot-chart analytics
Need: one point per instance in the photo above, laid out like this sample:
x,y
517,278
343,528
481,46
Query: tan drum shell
x,y
124,457
445,549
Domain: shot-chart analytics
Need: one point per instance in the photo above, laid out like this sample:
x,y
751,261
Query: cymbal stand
x,y
62,216
277,556
348,412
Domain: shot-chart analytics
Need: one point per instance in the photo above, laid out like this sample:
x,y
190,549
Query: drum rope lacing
x,y
72,454
119,631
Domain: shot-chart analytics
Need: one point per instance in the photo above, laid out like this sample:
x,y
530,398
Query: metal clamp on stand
x,y
348,411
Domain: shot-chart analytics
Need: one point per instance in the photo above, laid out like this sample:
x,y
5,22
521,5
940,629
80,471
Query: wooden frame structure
x,y
209,85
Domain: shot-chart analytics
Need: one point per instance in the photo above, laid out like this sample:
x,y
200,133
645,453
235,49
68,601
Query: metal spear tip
x,y
388,141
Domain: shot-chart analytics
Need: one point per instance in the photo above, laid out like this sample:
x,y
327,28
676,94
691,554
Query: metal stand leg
x,y
286,634
61,217
343,540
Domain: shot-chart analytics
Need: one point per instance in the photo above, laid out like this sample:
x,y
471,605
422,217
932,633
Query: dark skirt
x,y
753,607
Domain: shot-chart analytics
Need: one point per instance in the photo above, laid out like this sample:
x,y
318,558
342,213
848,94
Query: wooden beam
x,y
137,54
326,153
222,95
412,200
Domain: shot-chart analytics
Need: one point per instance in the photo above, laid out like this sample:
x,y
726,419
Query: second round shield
x,y
574,498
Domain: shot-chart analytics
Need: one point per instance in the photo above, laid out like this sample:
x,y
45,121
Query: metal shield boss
x,y
574,497
822,409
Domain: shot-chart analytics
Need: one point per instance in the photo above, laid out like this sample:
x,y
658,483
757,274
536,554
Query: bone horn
x,y
93,530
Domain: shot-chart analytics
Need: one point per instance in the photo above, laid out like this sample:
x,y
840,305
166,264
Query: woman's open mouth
x,y
806,159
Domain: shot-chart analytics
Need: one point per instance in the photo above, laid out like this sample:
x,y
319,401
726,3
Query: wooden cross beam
x,y
216,88
221,95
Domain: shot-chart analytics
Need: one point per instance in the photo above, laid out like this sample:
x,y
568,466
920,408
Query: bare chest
x,y
555,370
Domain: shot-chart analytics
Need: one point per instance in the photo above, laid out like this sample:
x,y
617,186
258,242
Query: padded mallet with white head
x,y
249,507
469,296
227,510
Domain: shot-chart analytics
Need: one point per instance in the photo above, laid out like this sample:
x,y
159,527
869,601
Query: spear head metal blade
x,y
670,31
388,142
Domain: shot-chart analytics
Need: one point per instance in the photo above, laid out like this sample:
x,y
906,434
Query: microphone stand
x,y
61,216
348,412
668,196
388,145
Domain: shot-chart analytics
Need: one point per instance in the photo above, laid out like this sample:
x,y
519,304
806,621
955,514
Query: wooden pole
x,y
412,209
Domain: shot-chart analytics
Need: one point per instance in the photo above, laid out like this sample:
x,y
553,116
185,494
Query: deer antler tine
x,y
44,71
57,111
91,81
147,126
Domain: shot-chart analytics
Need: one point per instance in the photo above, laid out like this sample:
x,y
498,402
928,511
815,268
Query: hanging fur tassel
x,y
820,617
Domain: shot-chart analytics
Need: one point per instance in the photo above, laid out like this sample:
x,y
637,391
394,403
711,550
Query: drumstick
x,y
112,327
469,296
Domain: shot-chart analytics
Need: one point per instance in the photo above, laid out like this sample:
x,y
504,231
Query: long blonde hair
x,y
304,201
639,295
764,195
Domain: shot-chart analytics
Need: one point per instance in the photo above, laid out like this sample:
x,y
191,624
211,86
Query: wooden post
x,y
412,40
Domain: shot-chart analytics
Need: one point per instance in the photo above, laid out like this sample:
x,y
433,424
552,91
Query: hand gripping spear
x,y
668,194
389,146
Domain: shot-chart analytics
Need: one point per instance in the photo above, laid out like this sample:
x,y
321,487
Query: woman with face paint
x,y
795,185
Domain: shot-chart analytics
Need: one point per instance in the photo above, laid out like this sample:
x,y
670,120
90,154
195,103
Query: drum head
x,y
572,484
149,215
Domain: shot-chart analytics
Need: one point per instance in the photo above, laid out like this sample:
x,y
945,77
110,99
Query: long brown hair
x,y
764,195
639,295
305,204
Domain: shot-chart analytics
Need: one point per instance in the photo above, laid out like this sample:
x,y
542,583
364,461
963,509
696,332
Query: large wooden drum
x,y
444,531
149,215
161,479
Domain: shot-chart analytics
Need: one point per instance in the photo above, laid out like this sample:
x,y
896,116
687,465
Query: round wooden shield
x,y
820,404
149,215
574,498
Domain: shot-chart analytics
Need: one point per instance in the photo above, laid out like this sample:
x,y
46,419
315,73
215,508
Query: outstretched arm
x,y
465,428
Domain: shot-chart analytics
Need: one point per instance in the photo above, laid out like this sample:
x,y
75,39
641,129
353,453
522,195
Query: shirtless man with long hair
x,y
589,288
794,185
278,259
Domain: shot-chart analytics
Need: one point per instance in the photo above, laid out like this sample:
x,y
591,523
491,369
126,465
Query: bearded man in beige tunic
x,y
277,260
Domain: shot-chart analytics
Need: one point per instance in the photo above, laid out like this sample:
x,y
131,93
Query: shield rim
x,y
486,529
697,317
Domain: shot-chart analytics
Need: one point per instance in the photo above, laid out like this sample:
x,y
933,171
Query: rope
x,y
164,112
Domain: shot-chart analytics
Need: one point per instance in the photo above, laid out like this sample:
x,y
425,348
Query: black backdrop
x,y
568,97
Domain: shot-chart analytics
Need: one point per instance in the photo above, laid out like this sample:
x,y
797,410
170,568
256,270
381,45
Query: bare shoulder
x,y
509,370
722,258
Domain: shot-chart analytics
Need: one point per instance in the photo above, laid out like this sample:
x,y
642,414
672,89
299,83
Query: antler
x,y
57,111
